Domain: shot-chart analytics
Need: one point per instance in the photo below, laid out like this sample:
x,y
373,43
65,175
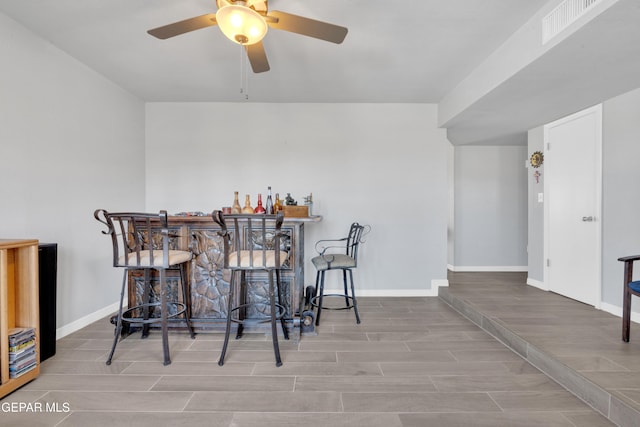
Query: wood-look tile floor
x,y
411,362
575,343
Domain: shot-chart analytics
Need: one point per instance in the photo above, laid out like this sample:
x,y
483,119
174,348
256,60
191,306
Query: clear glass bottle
x,y
236,208
259,209
278,205
269,206
308,201
247,209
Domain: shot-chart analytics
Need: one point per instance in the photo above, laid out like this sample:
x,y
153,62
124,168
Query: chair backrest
x,y
354,239
139,239
251,241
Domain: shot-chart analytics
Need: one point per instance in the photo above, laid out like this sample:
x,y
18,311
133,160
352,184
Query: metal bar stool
x,y
346,261
141,242
256,247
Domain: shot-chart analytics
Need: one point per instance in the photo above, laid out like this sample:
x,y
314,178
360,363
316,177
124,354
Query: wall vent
x,y
564,15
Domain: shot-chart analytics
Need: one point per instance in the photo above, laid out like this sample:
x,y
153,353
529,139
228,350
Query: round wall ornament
x,y
537,158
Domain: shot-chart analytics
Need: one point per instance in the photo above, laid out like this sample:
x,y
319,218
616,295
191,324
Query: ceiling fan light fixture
x,y
241,24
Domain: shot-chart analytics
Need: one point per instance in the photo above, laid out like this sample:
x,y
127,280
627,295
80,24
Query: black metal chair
x,y
346,261
141,242
252,243
630,287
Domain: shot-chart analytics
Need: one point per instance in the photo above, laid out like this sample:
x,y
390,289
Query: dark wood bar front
x,y
209,283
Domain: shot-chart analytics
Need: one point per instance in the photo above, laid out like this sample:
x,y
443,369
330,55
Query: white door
x,y
572,182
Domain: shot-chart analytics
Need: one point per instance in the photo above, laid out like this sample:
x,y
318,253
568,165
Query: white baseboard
x,y
617,311
483,268
436,283
537,284
87,320
433,292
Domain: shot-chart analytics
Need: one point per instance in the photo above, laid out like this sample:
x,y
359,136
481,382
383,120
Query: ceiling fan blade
x,y
307,27
185,26
257,57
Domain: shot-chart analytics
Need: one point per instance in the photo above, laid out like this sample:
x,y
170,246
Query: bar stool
x,y
345,261
141,242
253,245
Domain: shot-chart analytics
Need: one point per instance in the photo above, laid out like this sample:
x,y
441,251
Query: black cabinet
x,y
48,268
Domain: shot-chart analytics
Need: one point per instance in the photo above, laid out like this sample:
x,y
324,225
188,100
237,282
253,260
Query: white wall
x,y
379,164
70,142
490,208
620,200
621,194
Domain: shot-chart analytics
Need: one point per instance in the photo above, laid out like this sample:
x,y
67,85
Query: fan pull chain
x,y
244,74
246,78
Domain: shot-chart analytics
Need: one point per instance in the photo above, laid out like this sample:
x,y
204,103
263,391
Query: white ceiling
x,y
409,51
414,51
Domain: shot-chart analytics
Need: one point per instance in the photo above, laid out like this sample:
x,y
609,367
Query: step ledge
x,y
610,406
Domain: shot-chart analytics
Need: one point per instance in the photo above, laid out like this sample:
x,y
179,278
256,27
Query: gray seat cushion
x,y
258,261
331,261
175,257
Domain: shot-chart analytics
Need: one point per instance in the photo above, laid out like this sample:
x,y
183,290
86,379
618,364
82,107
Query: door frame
x,y
597,109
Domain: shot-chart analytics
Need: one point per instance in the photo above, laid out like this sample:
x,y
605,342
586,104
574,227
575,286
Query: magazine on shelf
x,y
21,347
22,351
24,370
18,335
15,358
23,363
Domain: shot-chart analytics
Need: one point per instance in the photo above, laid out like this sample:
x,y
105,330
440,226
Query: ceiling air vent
x,y
564,15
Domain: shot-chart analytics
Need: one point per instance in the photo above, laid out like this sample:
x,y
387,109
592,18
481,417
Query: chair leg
x,y
320,296
274,328
346,292
283,321
164,317
118,329
242,312
186,298
626,313
317,281
146,298
353,298
626,300
229,313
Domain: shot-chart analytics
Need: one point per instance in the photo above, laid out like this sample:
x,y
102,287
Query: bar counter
x,y
209,284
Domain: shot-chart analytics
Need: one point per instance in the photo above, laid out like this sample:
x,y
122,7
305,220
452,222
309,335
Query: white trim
x,y
435,283
433,292
494,268
537,284
76,325
617,311
113,308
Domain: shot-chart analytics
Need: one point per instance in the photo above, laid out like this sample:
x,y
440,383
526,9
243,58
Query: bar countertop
x,y
207,218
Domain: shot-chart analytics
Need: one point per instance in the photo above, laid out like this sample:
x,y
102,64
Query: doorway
x,y
572,205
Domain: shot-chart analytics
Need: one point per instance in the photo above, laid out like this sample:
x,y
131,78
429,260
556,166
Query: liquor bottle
x,y
236,209
278,205
269,207
308,201
259,209
247,209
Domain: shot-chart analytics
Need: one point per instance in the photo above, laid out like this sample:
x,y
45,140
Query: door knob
x,y
587,218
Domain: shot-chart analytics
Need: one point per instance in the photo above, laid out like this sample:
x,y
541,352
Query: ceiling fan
x,y
246,22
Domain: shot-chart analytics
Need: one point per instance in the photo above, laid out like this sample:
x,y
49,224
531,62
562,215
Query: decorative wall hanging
x,y
537,158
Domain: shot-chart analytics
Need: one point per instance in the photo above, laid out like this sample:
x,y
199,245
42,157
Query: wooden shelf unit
x,y
18,303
